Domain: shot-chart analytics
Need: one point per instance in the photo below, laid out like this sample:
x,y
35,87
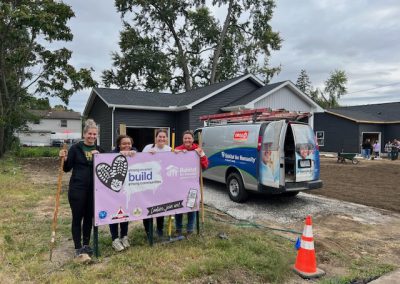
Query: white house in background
x,y
53,126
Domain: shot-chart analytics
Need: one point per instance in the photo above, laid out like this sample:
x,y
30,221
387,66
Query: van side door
x,y
307,154
270,156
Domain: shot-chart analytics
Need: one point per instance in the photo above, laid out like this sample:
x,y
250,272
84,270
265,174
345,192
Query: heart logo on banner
x,y
113,176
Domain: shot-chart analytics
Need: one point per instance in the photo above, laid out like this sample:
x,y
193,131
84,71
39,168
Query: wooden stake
x,y
201,187
57,205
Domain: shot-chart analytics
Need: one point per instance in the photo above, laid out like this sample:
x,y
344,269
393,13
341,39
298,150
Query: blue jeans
x,y
366,153
190,224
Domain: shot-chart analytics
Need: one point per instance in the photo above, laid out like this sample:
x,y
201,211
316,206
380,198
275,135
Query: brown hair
x,y
190,132
158,131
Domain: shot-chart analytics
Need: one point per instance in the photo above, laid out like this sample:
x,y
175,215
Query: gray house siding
x,y
102,115
181,125
214,104
338,133
392,131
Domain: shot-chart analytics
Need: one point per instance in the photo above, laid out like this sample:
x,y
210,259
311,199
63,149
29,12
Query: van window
x,y
271,137
304,139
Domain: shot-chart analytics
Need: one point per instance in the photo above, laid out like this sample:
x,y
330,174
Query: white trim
x,y
170,108
91,99
226,87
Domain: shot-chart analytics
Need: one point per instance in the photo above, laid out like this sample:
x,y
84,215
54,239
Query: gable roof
x,y
56,114
375,113
249,101
134,99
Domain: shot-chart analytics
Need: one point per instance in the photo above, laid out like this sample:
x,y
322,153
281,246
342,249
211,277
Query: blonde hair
x,y
89,123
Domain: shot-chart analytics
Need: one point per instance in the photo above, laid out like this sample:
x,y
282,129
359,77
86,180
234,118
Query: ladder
x,y
253,116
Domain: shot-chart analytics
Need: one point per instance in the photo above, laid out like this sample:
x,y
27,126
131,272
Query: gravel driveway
x,y
287,210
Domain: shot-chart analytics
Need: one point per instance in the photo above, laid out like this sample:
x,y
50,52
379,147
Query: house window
x,y
320,137
64,123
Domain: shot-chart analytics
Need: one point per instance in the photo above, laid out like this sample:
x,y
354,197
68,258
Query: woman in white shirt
x,y
160,145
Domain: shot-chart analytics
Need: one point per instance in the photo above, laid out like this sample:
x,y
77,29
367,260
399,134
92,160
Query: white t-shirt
x,y
150,147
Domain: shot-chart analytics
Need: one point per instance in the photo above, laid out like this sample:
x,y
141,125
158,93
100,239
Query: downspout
x,y
112,128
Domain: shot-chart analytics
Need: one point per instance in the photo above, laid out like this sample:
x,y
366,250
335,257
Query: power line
x,y
374,88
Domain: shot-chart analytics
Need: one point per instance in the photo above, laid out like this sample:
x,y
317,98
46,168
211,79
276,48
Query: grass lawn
x,y
249,255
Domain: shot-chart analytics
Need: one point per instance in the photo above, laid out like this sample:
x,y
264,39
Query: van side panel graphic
x,y
242,158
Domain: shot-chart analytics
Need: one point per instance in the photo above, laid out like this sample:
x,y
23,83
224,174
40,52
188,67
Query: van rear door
x,y
307,154
271,154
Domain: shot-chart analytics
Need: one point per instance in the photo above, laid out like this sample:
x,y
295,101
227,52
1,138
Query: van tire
x,y
236,190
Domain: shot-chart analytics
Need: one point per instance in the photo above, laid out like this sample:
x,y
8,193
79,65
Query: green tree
x,y
179,45
303,82
27,66
335,87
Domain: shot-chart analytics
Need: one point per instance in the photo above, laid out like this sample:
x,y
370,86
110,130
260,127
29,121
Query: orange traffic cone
x,y
306,264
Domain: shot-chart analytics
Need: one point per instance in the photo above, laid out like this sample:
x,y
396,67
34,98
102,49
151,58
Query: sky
x,y
361,37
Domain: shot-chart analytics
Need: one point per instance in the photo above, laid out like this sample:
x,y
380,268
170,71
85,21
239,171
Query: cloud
x,y
360,37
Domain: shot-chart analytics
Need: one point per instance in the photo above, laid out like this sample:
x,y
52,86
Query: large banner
x,y
145,186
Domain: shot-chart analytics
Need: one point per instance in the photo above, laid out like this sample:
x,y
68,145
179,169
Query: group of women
x,y
79,159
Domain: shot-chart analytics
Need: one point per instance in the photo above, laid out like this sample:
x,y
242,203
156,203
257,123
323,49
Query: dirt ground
x,y
339,238
373,183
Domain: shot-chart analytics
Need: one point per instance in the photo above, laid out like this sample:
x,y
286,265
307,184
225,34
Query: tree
x,y
303,82
180,44
27,66
335,87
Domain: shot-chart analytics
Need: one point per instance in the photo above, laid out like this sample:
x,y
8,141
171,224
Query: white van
x,y
277,157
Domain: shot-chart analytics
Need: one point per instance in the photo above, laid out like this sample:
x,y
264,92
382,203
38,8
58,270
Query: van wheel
x,y
236,189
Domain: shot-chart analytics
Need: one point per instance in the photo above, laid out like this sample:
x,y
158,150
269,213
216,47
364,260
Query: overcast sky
x,y
361,37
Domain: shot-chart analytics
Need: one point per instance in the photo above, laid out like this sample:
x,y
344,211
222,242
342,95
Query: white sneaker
x,y
125,242
117,245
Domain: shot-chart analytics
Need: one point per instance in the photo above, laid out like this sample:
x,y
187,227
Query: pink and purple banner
x,y
145,186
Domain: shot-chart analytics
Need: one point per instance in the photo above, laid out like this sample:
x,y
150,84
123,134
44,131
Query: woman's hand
x,y
128,153
200,152
63,154
178,151
95,152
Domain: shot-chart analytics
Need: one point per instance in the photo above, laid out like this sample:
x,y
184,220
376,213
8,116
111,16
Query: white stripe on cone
x,y
307,232
307,245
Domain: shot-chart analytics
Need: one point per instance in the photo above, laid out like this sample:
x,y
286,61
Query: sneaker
x,y
125,242
82,258
189,234
178,233
87,249
117,245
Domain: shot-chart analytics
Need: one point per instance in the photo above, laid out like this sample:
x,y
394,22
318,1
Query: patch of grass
x,y
35,152
249,255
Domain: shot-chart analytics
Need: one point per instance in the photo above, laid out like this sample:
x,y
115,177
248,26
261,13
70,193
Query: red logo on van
x,y
240,135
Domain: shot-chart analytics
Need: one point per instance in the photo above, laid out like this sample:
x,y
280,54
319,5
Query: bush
x,y
33,152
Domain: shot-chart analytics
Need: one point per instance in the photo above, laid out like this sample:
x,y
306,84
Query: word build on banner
x,y
145,186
